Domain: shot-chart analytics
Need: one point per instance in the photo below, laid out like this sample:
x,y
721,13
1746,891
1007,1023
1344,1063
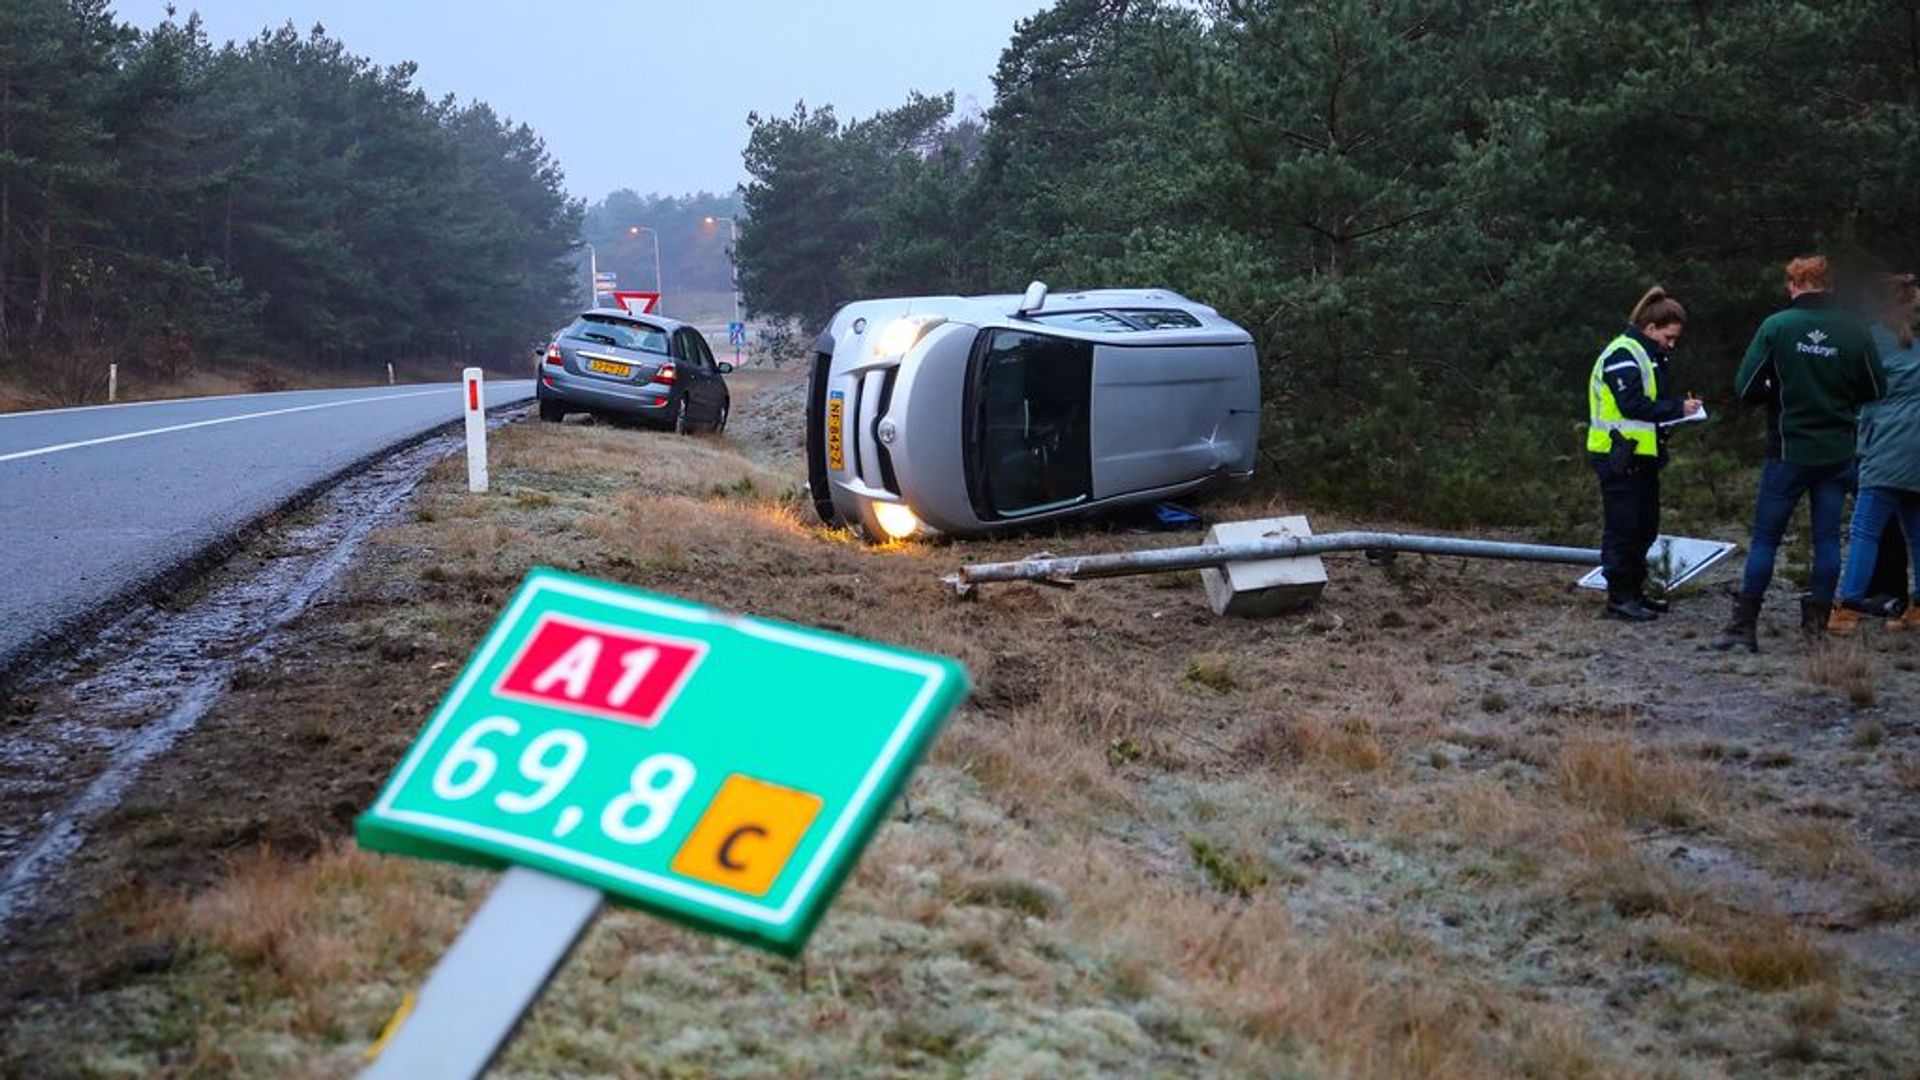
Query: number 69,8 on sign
x,y
549,762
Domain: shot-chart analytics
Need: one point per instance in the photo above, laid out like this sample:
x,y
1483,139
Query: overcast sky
x,y
645,94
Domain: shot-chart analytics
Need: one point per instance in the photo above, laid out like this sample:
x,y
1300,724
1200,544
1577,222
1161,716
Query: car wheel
x,y
552,411
720,419
679,423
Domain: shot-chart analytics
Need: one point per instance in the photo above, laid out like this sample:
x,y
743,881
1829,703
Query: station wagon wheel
x,y
680,415
552,411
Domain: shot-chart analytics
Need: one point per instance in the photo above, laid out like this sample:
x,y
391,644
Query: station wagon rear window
x,y
1119,321
619,333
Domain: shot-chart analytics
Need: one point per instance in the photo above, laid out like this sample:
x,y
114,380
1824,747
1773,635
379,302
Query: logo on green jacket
x,y
1816,348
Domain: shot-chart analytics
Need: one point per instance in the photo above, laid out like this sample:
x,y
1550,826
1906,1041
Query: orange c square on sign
x,y
747,835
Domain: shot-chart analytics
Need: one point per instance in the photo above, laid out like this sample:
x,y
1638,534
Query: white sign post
x,y
476,430
486,981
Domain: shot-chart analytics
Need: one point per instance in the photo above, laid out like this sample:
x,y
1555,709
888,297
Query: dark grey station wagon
x,y
645,367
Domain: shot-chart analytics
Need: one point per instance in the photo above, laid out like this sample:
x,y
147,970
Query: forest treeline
x,y
163,200
1431,213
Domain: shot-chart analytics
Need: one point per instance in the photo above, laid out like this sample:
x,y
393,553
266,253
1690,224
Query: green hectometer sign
x,y
721,771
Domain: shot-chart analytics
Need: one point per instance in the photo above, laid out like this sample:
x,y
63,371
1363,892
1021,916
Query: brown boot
x,y
1742,632
1843,621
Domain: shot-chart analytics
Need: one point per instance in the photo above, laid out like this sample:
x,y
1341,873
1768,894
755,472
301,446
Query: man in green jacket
x,y
1813,364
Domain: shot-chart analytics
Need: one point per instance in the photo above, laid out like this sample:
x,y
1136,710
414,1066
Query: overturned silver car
x,y
963,415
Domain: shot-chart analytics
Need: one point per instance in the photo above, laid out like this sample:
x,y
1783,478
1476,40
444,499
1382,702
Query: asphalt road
x,y
96,502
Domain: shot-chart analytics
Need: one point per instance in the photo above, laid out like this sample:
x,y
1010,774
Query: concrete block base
x,y
1268,586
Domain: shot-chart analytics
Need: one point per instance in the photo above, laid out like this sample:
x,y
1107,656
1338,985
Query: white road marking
x,y
452,394
28,414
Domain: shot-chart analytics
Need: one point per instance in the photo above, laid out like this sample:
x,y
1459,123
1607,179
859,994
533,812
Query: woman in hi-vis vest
x,y
1629,395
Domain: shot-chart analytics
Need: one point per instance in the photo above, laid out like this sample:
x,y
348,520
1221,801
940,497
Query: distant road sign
x,y
736,333
721,771
605,277
637,303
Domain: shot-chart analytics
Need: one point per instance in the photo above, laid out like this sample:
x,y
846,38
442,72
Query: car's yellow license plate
x,y
608,367
836,452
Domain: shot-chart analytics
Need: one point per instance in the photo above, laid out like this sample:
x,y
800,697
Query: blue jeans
x,y
1781,486
1871,511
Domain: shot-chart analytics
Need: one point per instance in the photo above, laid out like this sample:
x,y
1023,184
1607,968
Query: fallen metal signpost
x,y
1120,564
605,743
1282,556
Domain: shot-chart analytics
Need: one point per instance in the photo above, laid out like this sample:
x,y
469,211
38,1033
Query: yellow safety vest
x,y
1603,412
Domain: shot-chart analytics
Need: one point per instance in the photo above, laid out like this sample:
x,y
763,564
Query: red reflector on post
x,y
473,394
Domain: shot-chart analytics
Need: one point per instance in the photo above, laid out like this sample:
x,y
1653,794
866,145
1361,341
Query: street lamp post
x,y
733,263
654,235
593,276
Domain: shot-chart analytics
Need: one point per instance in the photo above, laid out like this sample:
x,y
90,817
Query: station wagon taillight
x,y
553,355
665,374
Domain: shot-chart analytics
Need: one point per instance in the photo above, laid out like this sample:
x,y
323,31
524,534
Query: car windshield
x,y
619,333
1031,394
1119,321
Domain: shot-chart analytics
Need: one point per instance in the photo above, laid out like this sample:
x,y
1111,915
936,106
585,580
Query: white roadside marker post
x,y
476,430
389,374
113,382
486,981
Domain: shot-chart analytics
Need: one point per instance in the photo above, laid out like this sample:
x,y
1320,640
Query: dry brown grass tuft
x,y
1846,665
1817,847
1033,769
1757,952
1606,774
261,916
1629,883
1213,671
281,936
1349,744
1373,1000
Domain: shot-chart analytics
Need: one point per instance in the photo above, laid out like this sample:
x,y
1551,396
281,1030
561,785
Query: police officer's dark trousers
x,y
1630,520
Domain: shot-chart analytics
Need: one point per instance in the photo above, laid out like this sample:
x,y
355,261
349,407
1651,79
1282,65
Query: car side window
x,y
700,345
1032,429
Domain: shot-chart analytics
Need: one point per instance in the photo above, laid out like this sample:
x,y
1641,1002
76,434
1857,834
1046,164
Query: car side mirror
x,y
539,351
726,368
1033,298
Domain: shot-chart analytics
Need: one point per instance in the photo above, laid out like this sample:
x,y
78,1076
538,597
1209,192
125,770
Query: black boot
x,y
1658,607
1813,617
1742,632
1627,609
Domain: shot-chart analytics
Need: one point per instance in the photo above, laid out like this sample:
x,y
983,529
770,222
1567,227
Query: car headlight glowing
x,y
901,334
895,519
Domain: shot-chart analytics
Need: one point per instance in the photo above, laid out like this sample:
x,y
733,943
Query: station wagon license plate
x,y
608,367
836,410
